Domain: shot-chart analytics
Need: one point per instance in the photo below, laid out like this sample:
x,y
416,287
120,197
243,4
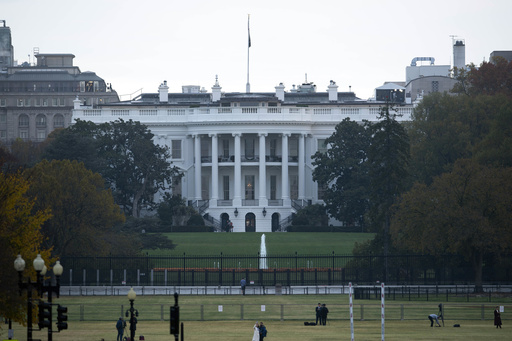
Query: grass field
x,y
415,326
249,243
285,331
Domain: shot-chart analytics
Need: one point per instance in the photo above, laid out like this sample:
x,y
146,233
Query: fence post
x,y
84,276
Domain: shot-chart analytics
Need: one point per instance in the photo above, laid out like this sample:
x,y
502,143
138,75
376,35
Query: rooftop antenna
x,y
306,76
248,85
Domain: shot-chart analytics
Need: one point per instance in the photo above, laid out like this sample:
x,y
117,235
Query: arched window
x,y
58,121
275,222
23,121
250,222
40,121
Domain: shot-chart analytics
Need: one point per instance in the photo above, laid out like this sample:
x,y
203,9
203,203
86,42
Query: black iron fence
x,y
287,270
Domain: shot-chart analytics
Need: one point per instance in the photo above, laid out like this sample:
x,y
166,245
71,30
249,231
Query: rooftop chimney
x,y
459,54
280,92
216,94
163,90
332,89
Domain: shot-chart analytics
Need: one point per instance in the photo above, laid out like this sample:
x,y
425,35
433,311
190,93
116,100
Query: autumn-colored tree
x,y
20,233
465,212
84,212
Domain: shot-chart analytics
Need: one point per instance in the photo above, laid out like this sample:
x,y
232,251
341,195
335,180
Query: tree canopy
x,y
124,153
466,212
84,211
20,233
344,168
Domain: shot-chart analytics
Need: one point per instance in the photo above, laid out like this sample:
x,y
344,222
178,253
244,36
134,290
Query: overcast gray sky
x,y
364,43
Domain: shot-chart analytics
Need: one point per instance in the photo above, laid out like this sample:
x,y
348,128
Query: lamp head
x,y
38,263
19,263
131,294
58,269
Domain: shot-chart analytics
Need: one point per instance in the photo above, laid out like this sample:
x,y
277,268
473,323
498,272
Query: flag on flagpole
x,y
248,31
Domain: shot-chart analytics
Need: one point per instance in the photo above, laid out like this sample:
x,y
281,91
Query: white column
x,y
285,188
215,171
237,198
197,167
301,167
263,174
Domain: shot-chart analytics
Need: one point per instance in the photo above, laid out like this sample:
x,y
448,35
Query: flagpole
x,y
248,85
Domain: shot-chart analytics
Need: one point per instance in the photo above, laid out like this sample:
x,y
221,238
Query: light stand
x,y
133,313
45,309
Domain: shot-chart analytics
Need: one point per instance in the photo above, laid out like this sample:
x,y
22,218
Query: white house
x,y
245,157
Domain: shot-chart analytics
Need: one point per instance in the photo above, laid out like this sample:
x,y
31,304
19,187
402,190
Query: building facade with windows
x,y
36,98
246,157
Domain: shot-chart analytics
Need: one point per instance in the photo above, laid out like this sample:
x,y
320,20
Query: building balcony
x,y
250,202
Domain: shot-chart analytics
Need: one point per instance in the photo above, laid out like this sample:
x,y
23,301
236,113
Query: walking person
x,y
120,328
497,317
242,285
263,331
318,311
256,332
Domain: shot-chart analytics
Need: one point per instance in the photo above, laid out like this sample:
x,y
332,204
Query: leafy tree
x,y
84,212
195,220
344,168
20,233
466,212
491,78
124,153
144,233
439,135
312,215
388,158
495,146
172,211
77,142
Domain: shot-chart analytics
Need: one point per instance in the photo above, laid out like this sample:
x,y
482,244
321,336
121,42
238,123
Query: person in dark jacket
x,y
243,283
120,328
497,317
263,331
323,314
318,310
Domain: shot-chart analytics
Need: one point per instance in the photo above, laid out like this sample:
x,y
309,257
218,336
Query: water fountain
x,y
263,253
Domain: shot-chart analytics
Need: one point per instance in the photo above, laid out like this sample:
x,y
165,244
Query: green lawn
x,y
249,243
415,326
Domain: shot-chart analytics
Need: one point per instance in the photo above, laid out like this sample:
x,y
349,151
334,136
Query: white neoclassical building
x,y
246,157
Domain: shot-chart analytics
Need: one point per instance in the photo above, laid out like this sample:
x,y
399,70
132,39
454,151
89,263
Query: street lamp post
x,y
19,265
133,314
45,309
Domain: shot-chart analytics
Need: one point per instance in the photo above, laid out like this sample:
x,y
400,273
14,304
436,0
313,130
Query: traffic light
x,y
175,320
44,314
62,318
